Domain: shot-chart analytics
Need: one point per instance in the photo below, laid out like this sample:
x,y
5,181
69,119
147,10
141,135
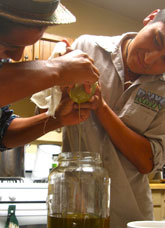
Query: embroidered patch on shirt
x,y
150,100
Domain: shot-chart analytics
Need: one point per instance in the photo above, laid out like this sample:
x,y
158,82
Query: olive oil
x,y
79,126
77,221
79,95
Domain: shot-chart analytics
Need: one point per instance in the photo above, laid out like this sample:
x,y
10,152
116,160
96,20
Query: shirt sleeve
x,y
156,135
6,117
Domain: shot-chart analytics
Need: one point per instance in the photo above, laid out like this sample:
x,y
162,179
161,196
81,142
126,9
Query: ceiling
x,y
135,9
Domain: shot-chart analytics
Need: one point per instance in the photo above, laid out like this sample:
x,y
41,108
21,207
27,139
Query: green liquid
x,y
79,129
75,221
79,95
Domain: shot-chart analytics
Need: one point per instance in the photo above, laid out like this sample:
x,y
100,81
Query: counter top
x,y
52,137
157,186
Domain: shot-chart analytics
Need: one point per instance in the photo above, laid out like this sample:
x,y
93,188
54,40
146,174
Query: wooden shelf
x,y
52,137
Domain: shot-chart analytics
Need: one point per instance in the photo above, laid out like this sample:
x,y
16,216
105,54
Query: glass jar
x,y
78,192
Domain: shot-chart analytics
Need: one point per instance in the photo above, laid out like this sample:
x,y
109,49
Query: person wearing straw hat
x,y
22,23
127,127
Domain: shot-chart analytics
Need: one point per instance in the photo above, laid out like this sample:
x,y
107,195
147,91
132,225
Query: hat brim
x,y
60,16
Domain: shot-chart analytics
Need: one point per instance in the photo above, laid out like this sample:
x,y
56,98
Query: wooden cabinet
x,y
158,196
43,48
40,50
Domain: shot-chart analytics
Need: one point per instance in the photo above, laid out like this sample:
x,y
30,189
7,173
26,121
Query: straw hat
x,y
39,12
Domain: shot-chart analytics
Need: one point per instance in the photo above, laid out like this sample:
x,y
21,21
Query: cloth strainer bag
x,y
50,98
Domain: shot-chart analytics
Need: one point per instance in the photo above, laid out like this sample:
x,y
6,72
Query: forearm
x,y
24,130
135,147
26,78
23,79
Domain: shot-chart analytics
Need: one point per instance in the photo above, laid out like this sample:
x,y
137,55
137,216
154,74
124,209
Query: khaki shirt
x,y
142,108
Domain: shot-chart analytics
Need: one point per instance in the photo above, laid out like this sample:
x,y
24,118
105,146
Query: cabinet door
x,y
40,50
158,203
43,49
36,50
47,43
28,53
163,207
157,213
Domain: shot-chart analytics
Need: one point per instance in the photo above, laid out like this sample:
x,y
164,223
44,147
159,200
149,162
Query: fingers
x,y
92,104
75,117
91,61
68,49
93,68
64,91
82,115
67,42
87,88
76,67
95,75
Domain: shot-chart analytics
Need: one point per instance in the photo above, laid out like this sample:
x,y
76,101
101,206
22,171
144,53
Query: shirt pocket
x,y
137,117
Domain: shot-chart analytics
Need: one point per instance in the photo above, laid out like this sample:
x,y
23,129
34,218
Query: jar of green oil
x,y
79,192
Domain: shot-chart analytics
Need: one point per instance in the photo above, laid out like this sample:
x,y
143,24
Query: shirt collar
x,y
111,43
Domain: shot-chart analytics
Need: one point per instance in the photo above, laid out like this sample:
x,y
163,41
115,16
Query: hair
x,y
7,25
159,17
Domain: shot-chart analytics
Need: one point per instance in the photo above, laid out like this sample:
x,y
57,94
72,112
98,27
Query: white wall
x,y
93,20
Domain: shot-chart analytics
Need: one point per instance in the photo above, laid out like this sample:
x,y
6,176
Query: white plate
x,y
146,224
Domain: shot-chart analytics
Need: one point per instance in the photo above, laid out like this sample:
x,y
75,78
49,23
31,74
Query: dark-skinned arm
x,y
19,80
135,147
24,130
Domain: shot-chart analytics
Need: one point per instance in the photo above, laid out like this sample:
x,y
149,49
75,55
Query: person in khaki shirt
x,y
127,124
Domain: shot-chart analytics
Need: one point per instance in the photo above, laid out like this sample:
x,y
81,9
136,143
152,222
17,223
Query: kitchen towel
x,y
48,99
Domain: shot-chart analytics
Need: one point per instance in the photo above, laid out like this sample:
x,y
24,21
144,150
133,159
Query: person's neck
x,y
129,76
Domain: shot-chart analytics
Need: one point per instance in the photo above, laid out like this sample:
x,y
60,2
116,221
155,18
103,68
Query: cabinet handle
x,y
26,57
12,198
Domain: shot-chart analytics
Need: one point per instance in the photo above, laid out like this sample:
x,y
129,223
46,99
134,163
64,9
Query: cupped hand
x,y
95,102
67,114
